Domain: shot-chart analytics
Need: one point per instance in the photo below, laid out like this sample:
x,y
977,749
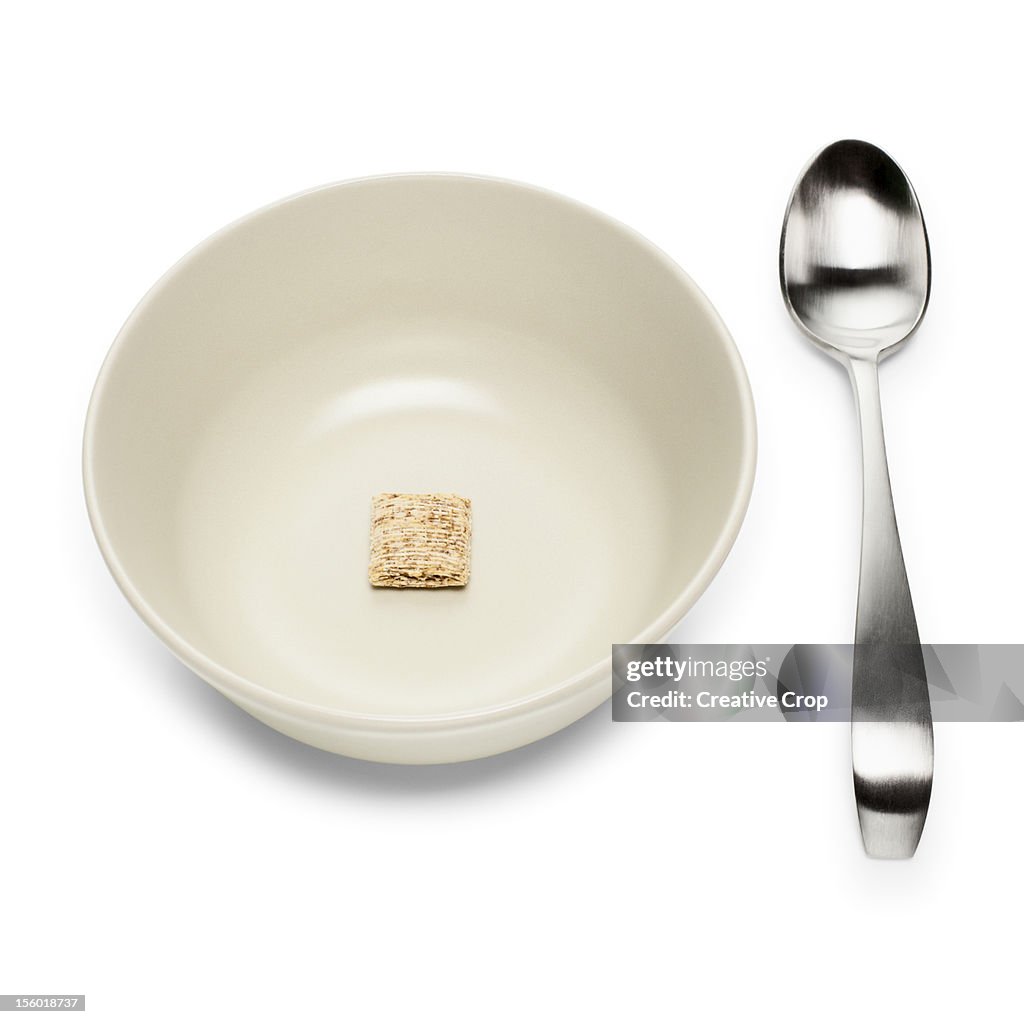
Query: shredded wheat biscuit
x,y
420,540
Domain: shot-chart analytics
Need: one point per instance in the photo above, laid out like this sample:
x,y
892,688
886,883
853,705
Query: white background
x,y
157,844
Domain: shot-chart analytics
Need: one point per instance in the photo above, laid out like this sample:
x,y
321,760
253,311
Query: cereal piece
x,y
420,540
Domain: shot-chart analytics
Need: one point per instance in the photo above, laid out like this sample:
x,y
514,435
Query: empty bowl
x,y
423,334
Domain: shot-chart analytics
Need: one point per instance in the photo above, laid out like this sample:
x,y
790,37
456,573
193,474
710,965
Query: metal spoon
x,y
856,273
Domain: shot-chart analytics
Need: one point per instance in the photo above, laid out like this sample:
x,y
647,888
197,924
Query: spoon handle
x,y
890,711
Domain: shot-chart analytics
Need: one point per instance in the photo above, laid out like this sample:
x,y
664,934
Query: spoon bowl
x,y
854,261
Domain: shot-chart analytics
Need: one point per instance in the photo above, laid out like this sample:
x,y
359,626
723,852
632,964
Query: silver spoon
x,y
856,274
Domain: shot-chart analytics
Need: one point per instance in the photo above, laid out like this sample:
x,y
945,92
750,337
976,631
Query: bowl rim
x,y
233,684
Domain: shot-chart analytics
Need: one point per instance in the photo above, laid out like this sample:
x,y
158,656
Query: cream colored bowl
x,y
418,333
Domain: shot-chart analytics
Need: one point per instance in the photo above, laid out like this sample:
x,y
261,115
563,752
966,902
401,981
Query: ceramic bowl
x,y
419,333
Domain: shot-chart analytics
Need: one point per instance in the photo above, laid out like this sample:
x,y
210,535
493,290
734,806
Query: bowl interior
x,y
421,333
